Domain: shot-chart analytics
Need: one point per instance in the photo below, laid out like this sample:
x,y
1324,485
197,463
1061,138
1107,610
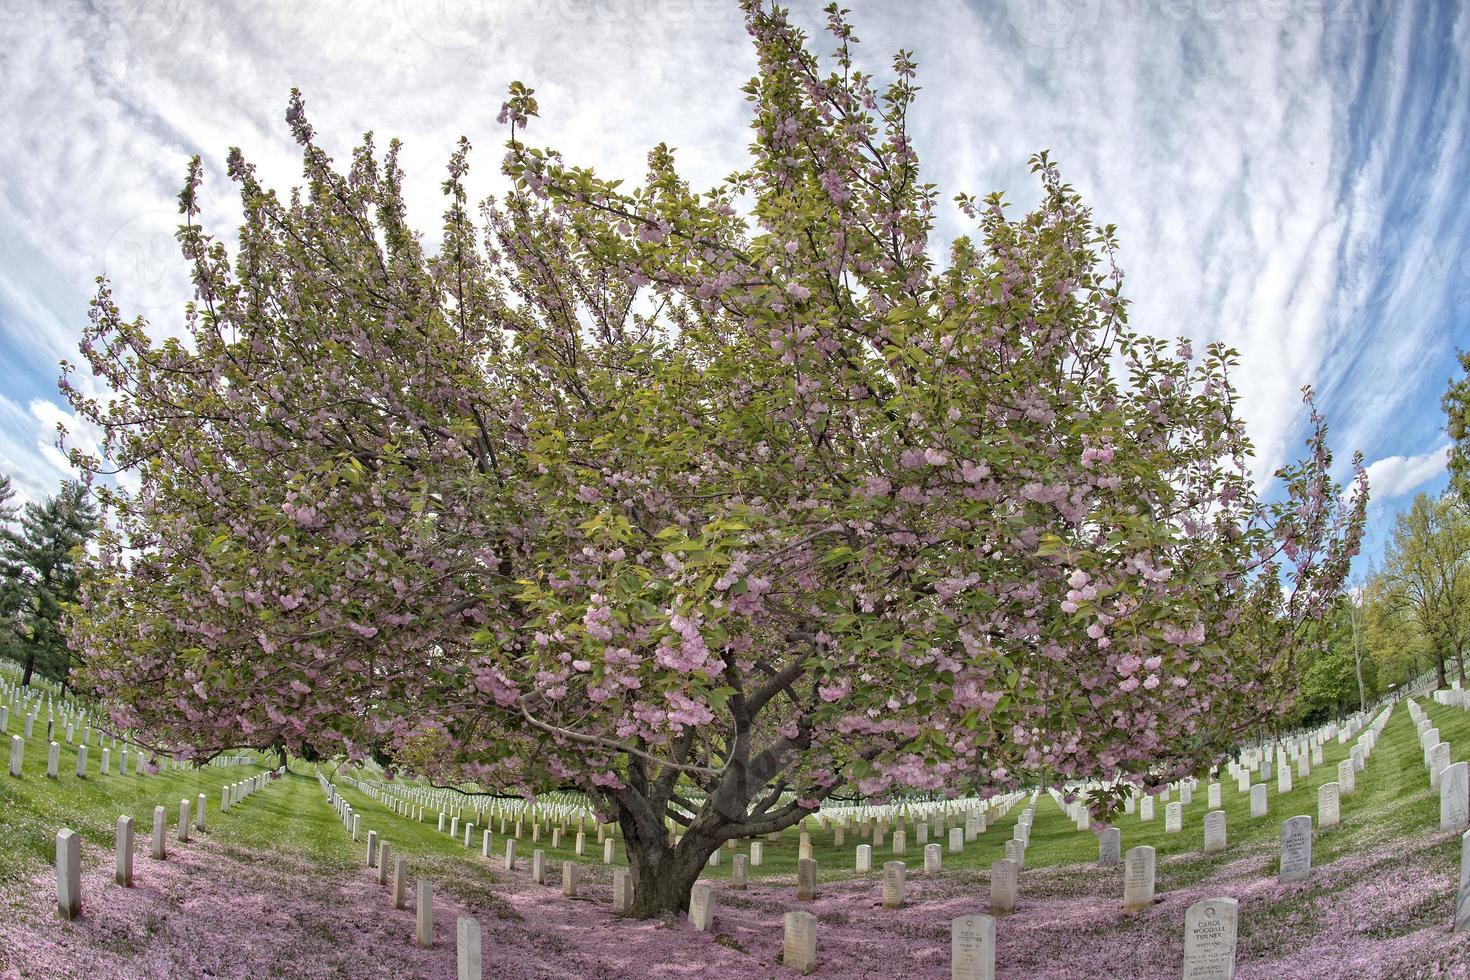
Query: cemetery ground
x,y
277,888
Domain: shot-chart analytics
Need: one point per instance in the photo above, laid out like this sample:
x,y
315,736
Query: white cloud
x,y
28,453
1394,476
1218,137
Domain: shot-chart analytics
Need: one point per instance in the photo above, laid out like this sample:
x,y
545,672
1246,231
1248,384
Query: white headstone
x,y
622,889
1439,760
17,754
425,919
1173,817
1209,939
400,883
124,852
1296,849
1213,796
893,884
384,861
1110,848
1004,875
806,880
933,858
1329,805
972,948
1258,800
1454,797
1138,878
799,943
68,874
1347,777
569,879
1214,831
467,943
702,906
160,824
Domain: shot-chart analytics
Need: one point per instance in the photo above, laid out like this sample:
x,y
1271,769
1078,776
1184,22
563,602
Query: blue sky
x,y
1286,175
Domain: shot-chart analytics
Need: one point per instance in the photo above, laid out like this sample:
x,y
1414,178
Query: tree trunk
x,y
25,679
1353,613
662,875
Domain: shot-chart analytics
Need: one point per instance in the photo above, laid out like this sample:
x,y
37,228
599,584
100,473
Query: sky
x,y
1286,175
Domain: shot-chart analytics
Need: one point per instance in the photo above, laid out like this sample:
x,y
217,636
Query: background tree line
x,y
1411,614
41,550
1413,611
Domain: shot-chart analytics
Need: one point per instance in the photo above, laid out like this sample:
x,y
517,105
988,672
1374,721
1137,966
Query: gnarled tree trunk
x,y
662,875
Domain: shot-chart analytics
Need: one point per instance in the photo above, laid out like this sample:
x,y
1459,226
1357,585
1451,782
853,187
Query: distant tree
x,y
1426,576
11,586
1391,636
41,558
1329,672
1456,404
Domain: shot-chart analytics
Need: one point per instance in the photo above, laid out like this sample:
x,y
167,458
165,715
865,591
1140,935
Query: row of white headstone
x,y
415,802
468,949
864,824
1328,795
69,844
873,822
1452,779
1213,943
1210,925
53,760
1210,928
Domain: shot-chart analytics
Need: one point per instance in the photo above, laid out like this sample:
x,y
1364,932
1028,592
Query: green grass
x,y
286,814
1393,799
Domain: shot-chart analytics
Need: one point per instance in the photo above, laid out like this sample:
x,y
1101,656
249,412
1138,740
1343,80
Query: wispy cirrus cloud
x,y
1284,173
